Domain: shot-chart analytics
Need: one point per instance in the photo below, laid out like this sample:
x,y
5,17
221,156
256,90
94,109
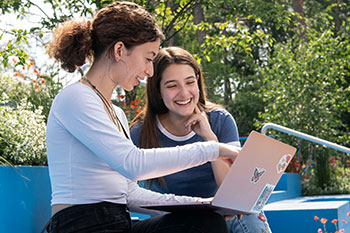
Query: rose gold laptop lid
x,y
254,174
249,182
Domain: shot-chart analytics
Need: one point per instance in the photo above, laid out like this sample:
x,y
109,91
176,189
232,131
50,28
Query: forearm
x,y
139,196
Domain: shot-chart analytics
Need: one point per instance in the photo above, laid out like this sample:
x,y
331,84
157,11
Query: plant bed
x,y
25,195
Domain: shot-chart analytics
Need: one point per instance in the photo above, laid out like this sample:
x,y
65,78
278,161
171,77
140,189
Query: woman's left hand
x,y
199,123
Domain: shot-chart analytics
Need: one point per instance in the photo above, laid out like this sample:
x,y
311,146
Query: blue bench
x,y
288,211
297,214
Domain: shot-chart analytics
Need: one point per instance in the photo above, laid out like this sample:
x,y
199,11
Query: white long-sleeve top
x,y
91,161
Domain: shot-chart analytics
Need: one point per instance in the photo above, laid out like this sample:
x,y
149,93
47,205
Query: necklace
x,y
108,105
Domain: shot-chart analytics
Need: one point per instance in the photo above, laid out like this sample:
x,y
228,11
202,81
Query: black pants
x,y
109,217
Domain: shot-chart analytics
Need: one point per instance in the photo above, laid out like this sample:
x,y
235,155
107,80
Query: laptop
x,y
249,182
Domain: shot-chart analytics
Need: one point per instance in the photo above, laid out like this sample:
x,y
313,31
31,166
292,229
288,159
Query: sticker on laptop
x,y
258,172
283,163
264,196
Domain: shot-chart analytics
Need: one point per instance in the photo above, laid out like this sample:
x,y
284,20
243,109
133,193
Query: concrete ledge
x,y
297,215
278,196
289,186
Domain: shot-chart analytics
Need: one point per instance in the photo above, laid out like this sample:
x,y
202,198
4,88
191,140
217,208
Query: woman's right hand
x,y
228,152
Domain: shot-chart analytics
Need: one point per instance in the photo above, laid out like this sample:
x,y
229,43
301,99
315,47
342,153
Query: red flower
x,y
345,221
323,220
316,218
319,230
334,221
341,231
348,213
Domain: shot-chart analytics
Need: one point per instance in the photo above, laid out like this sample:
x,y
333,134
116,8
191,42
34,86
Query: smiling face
x,y
137,63
179,89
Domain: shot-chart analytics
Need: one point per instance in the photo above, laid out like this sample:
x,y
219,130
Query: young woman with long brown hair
x,y
93,164
177,113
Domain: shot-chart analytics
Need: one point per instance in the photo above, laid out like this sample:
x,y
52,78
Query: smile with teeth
x,y
183,102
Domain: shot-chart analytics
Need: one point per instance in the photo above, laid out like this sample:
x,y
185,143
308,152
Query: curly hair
x,y
75,41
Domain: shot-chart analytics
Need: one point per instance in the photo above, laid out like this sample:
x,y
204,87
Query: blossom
x,y
323,220
319,230
334,221
316,218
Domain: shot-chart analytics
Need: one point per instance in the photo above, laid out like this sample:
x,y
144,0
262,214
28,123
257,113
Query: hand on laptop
x,y
228,152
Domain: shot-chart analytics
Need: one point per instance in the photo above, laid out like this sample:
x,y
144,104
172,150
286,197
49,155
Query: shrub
x,y
24,107
22,134
39,92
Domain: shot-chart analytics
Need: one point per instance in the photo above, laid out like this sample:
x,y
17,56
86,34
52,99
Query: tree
x,y
305,88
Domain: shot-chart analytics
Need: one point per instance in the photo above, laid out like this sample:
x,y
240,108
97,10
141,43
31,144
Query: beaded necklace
x,y
111,111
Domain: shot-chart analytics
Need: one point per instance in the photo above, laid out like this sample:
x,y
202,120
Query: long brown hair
x,y
154,103
75,41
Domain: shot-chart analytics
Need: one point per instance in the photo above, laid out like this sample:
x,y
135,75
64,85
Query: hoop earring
x,y
109,74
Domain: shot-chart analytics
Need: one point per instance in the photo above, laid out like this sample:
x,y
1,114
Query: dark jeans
x,y
109,217
89,218
189,222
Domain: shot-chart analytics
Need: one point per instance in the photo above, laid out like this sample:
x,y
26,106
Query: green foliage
x,y
38,93
239,36
24,108
14,46
22,134
339,182
306,87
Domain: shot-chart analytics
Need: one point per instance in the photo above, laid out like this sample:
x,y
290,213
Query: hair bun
x,y
72,44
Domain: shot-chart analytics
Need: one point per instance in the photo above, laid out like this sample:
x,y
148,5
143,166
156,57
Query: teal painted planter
x,y
289,186
25,196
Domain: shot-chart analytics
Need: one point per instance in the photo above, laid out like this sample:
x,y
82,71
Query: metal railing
x,y
304,136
